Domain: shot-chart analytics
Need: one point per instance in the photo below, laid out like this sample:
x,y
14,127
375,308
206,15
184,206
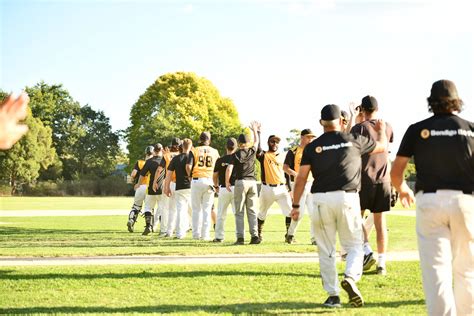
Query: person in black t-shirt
x,y
225,197
182,191
442,147
151,199
334,160
376,188
242,165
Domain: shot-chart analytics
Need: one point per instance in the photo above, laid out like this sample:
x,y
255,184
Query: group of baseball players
x,y
334,178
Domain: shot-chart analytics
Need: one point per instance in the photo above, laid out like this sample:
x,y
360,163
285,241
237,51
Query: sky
x,y
279,61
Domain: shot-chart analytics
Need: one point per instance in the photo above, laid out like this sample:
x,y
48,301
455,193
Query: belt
x,y
351,191
273,185
223,185
195,178
463,191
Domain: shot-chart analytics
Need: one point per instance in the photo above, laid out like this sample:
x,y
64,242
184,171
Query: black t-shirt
x,y
137,168
244,164
221,167
442,147
178,165
375,167
150,168
335,160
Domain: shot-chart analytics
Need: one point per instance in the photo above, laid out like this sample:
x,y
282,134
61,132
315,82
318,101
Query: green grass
x,y
80,203
107,235
272,289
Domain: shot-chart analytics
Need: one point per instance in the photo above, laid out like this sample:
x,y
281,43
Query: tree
x,y
294,139
83,138
181,105
22,163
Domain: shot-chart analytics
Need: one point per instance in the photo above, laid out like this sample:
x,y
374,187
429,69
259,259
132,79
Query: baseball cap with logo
x,y
330,112
231,143
369,103
175,141
307,132
444,90
274,137
243,139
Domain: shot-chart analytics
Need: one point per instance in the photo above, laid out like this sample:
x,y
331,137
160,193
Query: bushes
x,y
110,186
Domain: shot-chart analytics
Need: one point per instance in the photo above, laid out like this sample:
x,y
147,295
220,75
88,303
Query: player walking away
x,y
182,192
334,160
242,165
274,187
291,167
140,189
200,165
152,197
225,197
442,147
168,204
375,185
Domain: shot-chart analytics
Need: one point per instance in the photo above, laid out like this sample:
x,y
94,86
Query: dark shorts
x,y
375,197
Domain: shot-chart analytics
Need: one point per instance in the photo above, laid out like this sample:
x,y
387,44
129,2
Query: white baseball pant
x,y
225,198
270,194
202,196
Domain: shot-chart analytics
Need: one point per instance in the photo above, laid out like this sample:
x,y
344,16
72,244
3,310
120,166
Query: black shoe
x,y
254,240
381,270
369,261
240,241
217,240
290,239
147,231
130,224
355,298
333,301
313,242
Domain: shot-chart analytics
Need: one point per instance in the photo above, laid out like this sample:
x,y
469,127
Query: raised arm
x,y
398,168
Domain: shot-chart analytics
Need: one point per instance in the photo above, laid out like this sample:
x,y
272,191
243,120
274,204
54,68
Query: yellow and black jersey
x,y
203,160
271,164
138,167
293,160
168,157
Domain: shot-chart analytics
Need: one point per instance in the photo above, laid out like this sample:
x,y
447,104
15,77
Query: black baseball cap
x,y
175,141
444,90
205,136
274,137
243,139
369,104
149,150
330,112
157,147
307,132
231,143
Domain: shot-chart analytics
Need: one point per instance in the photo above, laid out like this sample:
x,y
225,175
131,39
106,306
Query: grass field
x,y
79,203
270,289
107,235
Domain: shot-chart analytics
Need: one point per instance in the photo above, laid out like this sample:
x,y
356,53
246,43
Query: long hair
x,y
439,106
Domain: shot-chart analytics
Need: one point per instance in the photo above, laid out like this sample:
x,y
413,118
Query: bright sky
x,y
279,61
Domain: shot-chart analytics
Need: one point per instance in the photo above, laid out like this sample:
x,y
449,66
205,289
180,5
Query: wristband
x,y
295,206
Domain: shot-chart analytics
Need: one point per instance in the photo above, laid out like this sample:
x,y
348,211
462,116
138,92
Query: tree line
x,y
68,141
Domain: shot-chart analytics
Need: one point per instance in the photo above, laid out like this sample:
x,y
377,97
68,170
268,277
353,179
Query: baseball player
x,y
200,165
334,160
140,189
274,188
152,197
291,167
167,203
182,192
375,185
225,197
242,165
442,147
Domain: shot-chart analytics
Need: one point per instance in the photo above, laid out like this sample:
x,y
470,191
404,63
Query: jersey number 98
x,y
205,160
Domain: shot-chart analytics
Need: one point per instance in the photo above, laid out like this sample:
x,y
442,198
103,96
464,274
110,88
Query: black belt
x,y
463,191
223,185
347,191
195,178
273,185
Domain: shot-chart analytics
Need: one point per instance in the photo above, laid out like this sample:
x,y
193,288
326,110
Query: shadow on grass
x,y
270,308
4,275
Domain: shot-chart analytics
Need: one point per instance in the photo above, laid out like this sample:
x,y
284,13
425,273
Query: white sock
x,y
381,261
367,248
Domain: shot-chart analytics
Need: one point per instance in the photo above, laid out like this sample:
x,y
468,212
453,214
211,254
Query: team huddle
x,y
333,178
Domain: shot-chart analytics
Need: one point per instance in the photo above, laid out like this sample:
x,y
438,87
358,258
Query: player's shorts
x,y
375,197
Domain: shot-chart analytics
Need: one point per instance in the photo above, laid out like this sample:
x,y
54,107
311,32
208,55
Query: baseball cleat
x,y
333,301
355,298
369,261
130,224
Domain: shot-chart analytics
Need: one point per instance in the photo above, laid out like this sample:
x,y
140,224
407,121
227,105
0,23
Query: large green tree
x,y
34,152
83,138
180,104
